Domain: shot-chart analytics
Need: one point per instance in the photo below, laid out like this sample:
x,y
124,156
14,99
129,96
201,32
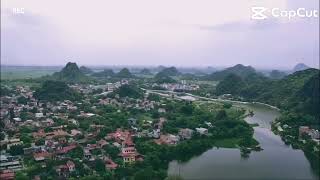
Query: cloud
x,y
143,32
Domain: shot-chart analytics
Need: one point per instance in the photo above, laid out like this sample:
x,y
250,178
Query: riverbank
x,y
271,163
213,99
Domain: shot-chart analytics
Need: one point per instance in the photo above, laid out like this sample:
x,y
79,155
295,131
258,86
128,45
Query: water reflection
x,y
276,161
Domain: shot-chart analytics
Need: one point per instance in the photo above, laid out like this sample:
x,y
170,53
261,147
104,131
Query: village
x,y
36,133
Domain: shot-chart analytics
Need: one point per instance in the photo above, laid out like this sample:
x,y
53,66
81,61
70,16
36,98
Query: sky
x,y
157,32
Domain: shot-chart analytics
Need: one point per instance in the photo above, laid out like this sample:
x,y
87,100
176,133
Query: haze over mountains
x,y
71,73
300,67
239,80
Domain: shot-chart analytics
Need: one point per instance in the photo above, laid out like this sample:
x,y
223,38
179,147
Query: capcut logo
x,y
260,13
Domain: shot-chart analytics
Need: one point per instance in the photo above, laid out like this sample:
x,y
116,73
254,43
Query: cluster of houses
x,y
55,141
313,133
179,87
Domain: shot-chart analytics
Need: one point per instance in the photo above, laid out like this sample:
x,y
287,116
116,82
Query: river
x,y
276,161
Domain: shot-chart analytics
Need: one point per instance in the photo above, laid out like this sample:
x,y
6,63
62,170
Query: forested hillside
x,y
56,91
298,91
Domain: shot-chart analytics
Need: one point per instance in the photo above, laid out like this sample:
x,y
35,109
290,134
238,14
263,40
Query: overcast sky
x,y
157,32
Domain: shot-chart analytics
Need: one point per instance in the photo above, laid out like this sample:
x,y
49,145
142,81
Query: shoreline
x,y
213,99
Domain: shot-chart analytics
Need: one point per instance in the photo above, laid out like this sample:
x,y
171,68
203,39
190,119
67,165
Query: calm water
x,y
276,161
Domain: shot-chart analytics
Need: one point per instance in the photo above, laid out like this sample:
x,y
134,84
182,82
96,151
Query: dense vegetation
x,y
298,97
131,91
171,71
239,70
163,78
85,70
145,71
104,74
232,84
298,91
124,73
276,74
70,73
56,91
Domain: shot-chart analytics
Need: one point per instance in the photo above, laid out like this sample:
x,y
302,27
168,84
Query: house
x,y
71,166
186,133
39,115
66,149
314,134
155,133
13,142
10,162
7,174
161,110
168,139
42,156
303,130
130,155
39,134
75,132
202,131
102,143
116,144
62,170
47,122
88,155
110,165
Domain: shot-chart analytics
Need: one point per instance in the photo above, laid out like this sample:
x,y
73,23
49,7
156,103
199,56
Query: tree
x,y
112,151
146,173
22,100
40,142
187,109
221,115
25,138
76,153
16,150
21,176
100,166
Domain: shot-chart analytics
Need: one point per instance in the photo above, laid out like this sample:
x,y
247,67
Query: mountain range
x,y
298,91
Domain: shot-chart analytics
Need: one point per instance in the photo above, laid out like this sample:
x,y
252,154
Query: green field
x,y
26,72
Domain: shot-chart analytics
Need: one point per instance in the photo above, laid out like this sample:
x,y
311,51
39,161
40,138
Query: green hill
x,y
70,74
56,91
124,73
161,77
104,73
232,84
145,71
239,70
129,91
85,70
298,91
171,71
276,74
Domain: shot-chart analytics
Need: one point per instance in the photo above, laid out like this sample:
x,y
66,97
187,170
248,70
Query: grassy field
x,y
26,72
